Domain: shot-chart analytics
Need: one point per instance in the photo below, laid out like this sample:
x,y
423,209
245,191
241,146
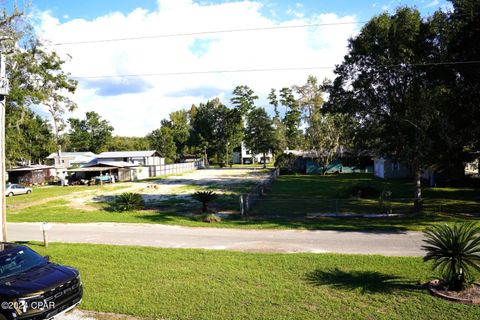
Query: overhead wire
x,y
200,72
171,35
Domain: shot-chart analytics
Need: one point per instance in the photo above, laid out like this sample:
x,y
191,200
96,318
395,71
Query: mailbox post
x,y
45,227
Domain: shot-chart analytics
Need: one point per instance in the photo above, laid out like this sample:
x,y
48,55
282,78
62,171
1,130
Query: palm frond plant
x,y
210,218
128,201
205,197
455,252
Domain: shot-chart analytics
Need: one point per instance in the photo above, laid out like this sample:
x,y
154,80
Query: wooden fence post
x,y
242,209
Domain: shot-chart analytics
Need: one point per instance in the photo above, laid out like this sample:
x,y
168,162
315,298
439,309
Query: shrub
x,y
290,164
205,197
128,201
455,251
210,217
384,200
363,191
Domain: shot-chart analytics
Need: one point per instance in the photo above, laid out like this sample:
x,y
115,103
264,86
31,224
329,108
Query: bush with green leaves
x,y
128,201
210,218
455,252
289,164
205,197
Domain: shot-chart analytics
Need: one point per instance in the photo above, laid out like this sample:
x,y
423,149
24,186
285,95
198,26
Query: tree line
x,y
213,131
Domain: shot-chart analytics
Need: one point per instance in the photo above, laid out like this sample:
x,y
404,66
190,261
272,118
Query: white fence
x,y
176,168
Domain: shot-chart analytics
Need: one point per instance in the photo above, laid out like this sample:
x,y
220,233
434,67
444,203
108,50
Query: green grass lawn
x,y
42,193
59,211
200,284
285,207
300,195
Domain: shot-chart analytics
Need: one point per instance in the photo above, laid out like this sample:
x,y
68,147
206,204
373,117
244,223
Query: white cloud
x,y
149,99
433,3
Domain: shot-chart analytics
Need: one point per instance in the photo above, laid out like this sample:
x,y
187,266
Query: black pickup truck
x,y
32,287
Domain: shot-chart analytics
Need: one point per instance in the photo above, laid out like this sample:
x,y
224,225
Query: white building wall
x,y
379,168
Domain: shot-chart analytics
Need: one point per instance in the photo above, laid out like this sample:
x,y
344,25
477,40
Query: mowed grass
x,y
200,284
42,193
284,207
306,194
59,211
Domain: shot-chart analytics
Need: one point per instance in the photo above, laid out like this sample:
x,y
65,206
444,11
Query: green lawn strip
x,y
40,193
59,211
200,284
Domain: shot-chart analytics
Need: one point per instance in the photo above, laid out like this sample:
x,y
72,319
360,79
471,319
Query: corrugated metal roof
x,y
117,164
93,169
72,154
31,168
127,154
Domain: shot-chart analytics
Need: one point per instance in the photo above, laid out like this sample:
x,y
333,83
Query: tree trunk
x,y
205,207
264,160
205,159
418,202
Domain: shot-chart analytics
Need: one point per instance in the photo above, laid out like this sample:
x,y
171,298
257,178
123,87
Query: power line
x,y
198,72
171,35
181,73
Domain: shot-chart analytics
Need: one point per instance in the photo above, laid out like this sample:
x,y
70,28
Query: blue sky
x,y
89,9
135,105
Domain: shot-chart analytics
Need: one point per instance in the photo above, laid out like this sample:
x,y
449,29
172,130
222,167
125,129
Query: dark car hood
x,y
43,278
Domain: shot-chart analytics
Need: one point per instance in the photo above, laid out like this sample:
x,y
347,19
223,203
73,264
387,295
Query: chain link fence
x,y
265,205
259,203
248,200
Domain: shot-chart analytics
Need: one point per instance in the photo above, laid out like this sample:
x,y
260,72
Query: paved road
x,y
157,235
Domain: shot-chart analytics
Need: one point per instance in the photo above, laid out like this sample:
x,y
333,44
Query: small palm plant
x,y
205,197
128,201
455,251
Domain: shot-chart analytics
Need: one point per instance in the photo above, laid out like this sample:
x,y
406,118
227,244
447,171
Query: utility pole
x,y
3,97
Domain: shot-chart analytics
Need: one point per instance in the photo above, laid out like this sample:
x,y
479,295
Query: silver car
x,y
16,189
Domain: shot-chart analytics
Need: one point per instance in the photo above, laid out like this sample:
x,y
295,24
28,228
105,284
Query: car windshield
x,y
18,261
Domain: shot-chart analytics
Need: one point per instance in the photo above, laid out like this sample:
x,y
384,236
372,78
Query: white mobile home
x,y
141,158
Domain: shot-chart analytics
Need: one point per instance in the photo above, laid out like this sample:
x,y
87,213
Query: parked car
x,y
32,287
16,189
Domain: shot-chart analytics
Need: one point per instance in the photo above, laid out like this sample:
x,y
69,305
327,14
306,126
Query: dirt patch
x,y
92,315
180,187
173,190
471,295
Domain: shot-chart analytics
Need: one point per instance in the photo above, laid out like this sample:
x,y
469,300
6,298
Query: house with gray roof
x,y
141,158
70,159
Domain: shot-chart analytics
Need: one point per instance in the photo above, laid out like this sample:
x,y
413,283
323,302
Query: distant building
x,y
124,165
122,171
30,175
387,168
70,159
243,155
472,165
143,158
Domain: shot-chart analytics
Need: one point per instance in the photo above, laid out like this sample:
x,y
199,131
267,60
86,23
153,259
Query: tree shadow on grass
x,y
366,281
